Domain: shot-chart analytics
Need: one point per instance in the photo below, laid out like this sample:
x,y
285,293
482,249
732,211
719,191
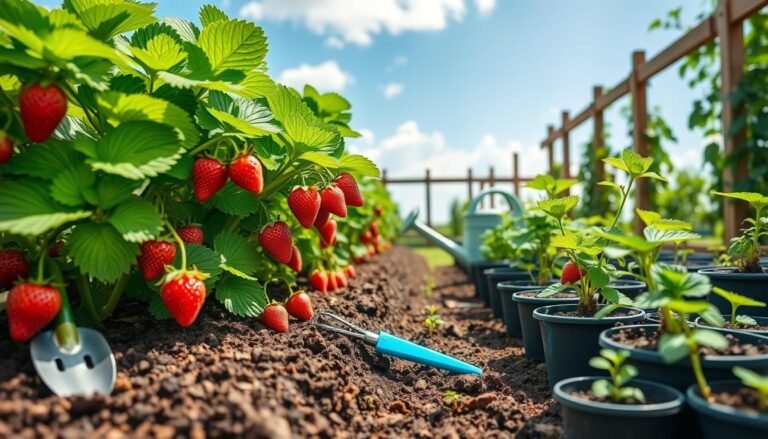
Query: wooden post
x,y
597,136
469,183
550,131
491,179
482,187
428,185
731,36
384,177
566,171
639,125
515,173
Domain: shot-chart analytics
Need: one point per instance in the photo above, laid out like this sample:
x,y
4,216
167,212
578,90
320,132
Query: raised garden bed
x,y
227,376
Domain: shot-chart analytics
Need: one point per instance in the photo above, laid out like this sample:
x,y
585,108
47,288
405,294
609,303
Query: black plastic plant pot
x,y
753,285
526,302
678,375
570,341
509,307
658,418
629,288
761,321
722,421
477,278
502,274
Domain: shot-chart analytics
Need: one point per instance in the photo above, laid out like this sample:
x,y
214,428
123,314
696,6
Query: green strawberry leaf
x,y
359,165
105,19
233,200
137,220
70,185
162,53
236,252
211,14
241,297
27,208
100,251
112,190
134,150
233,44
157,308
44,161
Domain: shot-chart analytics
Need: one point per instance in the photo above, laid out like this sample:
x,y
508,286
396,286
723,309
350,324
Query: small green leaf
x,y
242,297
602,388
211,14
359,165
737,299
558,207
236,252
673,347
162,53
203,259
99,251
709,338
654,176
233,44
756,200
751,379
70,185
600,363
745,320
598,276
137,220
712,316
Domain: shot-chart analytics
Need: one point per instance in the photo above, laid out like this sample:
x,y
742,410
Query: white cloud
x,y
334,42
397,61
358,21
327,76
392,89
485,7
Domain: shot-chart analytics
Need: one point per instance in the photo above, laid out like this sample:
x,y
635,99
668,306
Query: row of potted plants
x,y
611,276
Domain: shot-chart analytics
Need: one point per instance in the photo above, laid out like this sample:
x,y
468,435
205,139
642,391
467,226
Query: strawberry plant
x,y
620,373
122,131
745,250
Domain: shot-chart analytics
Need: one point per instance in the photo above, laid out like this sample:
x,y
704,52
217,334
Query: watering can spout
x,y
456,250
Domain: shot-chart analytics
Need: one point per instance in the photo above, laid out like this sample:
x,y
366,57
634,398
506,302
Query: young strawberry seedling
x,y
614,389
757,382
745,249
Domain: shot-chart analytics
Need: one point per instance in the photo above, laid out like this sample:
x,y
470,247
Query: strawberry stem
x,y
114,297
84,288
181,246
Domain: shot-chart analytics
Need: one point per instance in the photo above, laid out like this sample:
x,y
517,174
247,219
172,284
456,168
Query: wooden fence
x,y
470,180
726,24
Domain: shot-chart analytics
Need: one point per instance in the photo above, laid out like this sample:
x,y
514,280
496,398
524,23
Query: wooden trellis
x,y
726,24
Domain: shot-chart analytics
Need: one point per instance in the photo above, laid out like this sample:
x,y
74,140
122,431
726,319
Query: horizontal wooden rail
x,y
388,180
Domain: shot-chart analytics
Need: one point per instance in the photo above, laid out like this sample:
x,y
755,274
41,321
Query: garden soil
x,y
227,376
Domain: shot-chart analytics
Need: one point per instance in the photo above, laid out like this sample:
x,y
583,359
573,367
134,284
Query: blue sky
x,y
452,84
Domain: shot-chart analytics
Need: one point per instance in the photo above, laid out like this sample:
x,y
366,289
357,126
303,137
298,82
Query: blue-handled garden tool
x,y
388,344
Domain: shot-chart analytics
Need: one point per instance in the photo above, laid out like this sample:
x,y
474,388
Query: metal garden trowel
x,y
72,360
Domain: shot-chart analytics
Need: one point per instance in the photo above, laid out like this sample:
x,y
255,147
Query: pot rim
x,y
515,284
543,314
519,297
715,361
701,323
724,412
502,270
659,409
729,273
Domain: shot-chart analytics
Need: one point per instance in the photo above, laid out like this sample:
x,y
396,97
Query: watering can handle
x,y
512,200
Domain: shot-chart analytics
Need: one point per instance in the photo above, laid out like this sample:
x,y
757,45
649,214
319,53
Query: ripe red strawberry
x,y
13,265
328,234
571,273
358,260
42,109
379,211
299,306
333,283
6,148
305,204
366,237
371,251
183,295
31,307
275,317
295,262
155,255
245,171
374,229
275,239
322,217
332,200
191,234
350,272
348,186
319,281
208,177
341,280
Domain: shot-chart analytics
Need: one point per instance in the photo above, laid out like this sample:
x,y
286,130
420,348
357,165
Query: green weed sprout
x,y
429,285
745,249
433,320
757,382
614,389
452,398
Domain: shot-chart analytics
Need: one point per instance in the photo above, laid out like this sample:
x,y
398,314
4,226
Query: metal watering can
x,y
476,222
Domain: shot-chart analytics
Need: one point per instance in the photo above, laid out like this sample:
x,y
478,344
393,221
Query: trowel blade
x,y
89,370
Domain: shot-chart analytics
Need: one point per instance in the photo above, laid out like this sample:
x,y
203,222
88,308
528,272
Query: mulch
x,y
226,376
